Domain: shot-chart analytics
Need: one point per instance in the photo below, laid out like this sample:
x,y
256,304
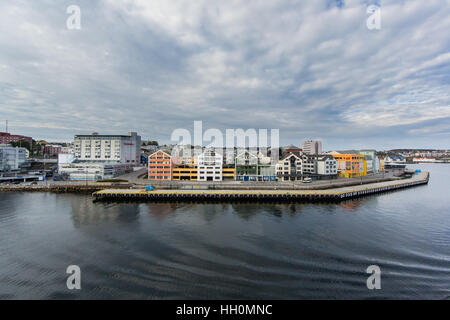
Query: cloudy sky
x,y
310,68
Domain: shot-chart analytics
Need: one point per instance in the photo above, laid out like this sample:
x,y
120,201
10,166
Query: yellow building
x,y
228,173
381,164
190,173
350,165
184,173
364,168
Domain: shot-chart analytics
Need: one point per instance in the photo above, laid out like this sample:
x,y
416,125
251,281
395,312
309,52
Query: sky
x,y
310,68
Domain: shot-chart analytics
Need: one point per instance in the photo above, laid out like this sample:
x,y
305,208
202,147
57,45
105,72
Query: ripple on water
x,y
224,250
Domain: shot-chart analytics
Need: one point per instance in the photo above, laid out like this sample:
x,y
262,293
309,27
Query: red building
x,y
6,138
51,150
292,148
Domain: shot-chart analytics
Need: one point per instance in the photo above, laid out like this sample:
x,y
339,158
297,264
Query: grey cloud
x,y
309,68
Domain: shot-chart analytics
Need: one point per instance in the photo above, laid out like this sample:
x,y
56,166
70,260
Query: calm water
x,y
237,251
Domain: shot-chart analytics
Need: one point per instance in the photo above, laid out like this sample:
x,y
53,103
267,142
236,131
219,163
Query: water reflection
x,y
160,210
86,212
212,210
227,250
351,205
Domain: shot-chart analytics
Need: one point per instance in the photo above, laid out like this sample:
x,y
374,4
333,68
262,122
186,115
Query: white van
x,y
307,180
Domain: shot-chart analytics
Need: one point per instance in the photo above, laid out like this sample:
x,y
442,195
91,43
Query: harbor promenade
x,y
333,194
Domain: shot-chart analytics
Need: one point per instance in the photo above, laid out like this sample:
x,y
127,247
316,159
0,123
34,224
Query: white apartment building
x,y
312,147
319,166
11,158
209,166
309,164
327,165
108,148
369,164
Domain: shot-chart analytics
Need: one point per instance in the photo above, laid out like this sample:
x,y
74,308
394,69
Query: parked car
x,y
307,180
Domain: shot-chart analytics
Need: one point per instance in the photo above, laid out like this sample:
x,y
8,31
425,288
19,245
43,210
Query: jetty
x,y
333,195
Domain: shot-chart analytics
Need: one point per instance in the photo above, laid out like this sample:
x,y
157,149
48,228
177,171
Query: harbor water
x,y
142,250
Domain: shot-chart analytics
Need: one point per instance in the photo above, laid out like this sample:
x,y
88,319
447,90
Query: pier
x,y
334,195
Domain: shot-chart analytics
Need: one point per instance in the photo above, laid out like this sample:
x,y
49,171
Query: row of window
x,y
160,177
346,158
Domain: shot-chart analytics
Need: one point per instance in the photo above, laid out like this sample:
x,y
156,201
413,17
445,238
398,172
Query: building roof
x,y
352,151
159,151
396,157
246,152
95,134
286,154
323,157
7,134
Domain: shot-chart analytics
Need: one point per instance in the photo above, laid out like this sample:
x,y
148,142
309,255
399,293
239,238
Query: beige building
x,y
289,167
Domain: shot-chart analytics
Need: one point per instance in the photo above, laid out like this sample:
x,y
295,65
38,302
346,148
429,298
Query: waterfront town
x,y
97,157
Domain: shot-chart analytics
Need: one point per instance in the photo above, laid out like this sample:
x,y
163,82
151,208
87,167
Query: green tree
x,y
23,144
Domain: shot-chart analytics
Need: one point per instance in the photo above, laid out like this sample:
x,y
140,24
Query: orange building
x,y
350,165
160,166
